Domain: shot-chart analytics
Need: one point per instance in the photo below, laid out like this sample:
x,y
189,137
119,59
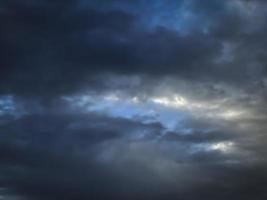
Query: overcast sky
x,y
133,99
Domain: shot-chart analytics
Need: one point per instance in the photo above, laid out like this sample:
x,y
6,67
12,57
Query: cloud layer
x,y
133,99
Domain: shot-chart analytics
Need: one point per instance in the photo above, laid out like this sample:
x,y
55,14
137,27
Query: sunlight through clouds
x,y
134,100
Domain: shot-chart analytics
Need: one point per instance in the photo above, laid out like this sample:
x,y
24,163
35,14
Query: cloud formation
x,y
133,99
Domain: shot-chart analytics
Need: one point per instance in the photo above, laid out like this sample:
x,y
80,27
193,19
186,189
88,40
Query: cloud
x,y
81,156
133,99
54,48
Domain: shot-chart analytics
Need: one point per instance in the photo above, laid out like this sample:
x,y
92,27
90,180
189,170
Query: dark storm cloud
x,y
208,54
55,157
54,129
48,48
199,137
48,45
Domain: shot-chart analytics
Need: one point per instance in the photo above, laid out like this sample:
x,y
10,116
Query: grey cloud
x,y
207,51
54,48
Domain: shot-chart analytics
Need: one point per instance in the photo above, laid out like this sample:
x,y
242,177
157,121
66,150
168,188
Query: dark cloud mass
x,y
133,100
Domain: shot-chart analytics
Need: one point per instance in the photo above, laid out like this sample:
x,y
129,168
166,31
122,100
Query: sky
x,y
134,100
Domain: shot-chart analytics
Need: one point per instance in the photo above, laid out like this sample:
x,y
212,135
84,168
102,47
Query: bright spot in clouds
x,y
176,101
222,146
169,110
